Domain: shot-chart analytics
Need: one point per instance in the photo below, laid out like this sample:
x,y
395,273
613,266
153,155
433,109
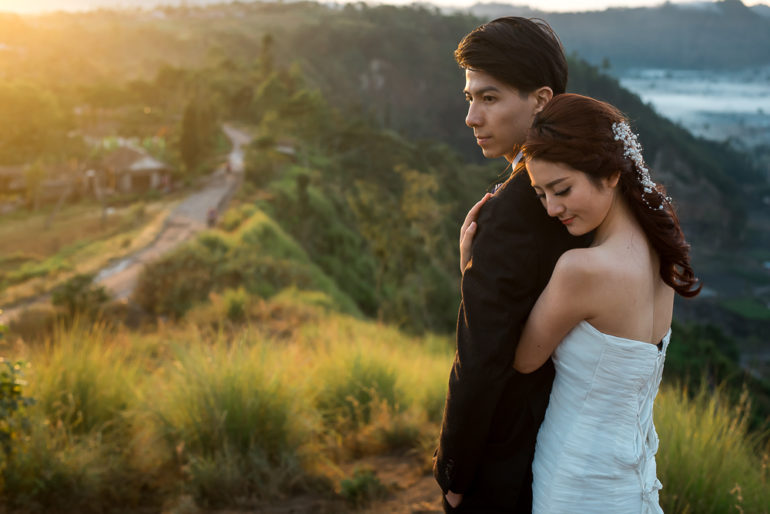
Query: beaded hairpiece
x,y
633,150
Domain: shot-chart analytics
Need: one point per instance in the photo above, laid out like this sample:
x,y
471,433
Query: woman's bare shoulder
x,y
579,268
583,261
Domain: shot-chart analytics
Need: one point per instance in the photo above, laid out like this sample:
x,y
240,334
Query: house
x,y
12,179
132,170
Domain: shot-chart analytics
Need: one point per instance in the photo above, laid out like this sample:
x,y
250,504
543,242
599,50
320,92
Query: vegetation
x,y
299,335
242,415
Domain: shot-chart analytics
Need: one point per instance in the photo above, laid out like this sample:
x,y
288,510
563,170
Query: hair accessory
x,y
633,150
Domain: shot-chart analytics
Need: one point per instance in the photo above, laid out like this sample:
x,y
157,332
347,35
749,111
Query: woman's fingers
x,y
465,245
473,214
468,230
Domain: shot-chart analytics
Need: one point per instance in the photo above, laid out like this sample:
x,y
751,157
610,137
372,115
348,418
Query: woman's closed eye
x,y
563,192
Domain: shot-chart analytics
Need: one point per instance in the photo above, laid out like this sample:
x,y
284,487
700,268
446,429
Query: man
x,y
513,67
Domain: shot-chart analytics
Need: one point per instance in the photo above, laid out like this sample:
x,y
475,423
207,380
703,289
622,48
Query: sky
x,y
33,6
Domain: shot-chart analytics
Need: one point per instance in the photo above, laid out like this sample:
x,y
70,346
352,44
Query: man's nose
x,y
473,118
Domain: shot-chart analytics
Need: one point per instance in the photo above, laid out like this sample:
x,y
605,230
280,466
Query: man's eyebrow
x,y
481,91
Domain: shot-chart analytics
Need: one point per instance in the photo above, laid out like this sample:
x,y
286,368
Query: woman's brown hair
x,y
578,131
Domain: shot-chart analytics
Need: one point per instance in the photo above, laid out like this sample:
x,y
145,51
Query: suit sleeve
x,y
498,291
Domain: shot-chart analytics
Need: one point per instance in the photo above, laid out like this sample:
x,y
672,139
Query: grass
x,y
76,243
708,462
748,308
235,415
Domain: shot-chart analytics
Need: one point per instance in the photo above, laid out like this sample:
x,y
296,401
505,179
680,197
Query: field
x,y
290,400
81,238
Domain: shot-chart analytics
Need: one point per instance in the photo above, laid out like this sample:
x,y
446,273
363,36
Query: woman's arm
x,y
569,298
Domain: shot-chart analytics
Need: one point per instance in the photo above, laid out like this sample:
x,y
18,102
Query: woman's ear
x,y
612,180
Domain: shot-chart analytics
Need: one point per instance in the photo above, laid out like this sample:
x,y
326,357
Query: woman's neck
x,y
618,222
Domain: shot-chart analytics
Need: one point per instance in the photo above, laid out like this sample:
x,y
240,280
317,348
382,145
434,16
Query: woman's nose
x,y
554,207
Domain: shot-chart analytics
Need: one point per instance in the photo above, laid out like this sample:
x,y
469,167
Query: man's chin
x,y
490,153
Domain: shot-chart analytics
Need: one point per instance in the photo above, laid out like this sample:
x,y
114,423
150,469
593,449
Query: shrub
x,y
79,296
233,419
175,282
13,404
235,304
350,387
363,487
82,382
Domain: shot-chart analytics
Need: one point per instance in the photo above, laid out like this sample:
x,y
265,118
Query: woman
x,y
605,315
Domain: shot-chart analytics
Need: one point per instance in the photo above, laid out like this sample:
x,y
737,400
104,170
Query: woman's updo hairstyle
x,y
581,132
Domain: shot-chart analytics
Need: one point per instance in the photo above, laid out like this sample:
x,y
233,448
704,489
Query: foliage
x,y
80,296
748,308
13,404
708,460
702,355
237,418
199,126
363,487
259,257
350,388
235,303
234,417
32,123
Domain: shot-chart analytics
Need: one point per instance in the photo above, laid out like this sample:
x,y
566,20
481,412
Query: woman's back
x,y
596,447
627,296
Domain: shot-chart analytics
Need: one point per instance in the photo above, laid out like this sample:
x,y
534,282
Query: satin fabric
x,y
595,451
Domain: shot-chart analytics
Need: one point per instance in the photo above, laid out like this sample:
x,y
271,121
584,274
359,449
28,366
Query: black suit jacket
x,y
492,413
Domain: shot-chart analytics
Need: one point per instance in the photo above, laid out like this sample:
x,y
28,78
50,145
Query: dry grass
x,y
76,243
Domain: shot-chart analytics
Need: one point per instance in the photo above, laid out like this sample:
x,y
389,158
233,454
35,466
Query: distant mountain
x,y
723,34
762,10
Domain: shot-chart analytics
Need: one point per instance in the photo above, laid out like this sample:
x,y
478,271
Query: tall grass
x,y
281,403
708,462
230,415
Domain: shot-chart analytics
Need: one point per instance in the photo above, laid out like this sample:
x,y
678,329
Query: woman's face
x,y
571,196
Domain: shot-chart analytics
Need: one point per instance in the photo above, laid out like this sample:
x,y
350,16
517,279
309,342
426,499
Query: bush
x,y
362,488
235,304
84,383
234,421
351,387
79,296
175,282
13,404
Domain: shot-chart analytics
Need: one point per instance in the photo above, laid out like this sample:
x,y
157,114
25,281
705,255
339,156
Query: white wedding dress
x,y
596,448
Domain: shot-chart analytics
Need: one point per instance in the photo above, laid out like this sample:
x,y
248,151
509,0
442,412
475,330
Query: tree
x,y
33,178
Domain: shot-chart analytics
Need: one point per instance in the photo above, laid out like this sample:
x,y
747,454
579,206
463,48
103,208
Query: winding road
x,y
187,219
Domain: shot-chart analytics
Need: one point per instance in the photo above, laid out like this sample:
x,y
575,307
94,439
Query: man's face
x,y
498,114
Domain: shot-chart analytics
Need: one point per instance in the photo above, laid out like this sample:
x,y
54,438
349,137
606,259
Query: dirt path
x,y
186,220
411,490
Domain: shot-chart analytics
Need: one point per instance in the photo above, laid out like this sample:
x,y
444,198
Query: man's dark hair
x,y
523,53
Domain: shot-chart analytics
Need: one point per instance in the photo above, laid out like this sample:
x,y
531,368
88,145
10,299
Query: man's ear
x,y
542,96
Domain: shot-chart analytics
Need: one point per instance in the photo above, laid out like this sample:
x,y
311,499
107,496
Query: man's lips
x,y
567,221
482,139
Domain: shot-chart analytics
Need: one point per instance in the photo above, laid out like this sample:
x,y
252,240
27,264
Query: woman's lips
x,y
567,221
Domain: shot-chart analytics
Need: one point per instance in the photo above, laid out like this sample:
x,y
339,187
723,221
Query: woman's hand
x,y
467,231
453,499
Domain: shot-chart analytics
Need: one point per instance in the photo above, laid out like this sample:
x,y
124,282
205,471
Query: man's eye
x,y
563,192
489,98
